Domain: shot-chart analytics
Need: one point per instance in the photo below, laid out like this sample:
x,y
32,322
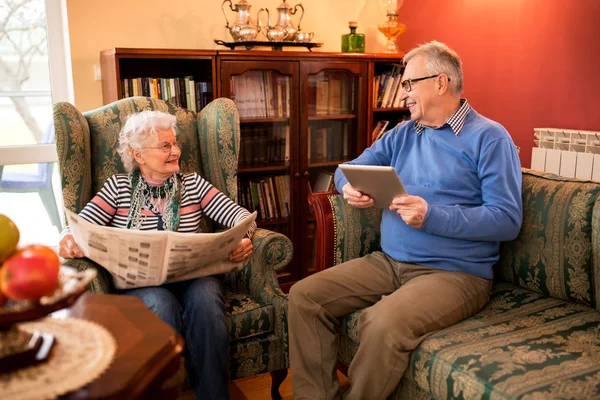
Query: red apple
x,y
30,273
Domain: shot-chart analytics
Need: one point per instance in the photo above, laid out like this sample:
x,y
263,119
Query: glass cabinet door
x,y
334,133
264,99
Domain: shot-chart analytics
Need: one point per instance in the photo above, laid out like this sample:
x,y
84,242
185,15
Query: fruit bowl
x,y
71,285
19,348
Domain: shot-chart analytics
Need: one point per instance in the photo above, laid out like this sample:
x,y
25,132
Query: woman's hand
x,y
68,248
242,252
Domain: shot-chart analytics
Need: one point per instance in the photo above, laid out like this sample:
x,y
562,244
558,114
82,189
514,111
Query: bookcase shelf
x,y
301,114
333,163
326,117
242,169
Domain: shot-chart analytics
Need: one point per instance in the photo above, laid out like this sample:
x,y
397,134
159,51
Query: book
x,y
324,182
379,130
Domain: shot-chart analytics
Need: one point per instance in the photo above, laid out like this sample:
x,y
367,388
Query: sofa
x,y
538,338
209,141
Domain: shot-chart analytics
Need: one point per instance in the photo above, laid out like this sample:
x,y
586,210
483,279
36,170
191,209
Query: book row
x,y
387,89
269,196
183,92
264,144
328,140
261,94
331,93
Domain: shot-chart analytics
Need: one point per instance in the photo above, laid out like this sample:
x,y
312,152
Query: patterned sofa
x,y
539,336
209,141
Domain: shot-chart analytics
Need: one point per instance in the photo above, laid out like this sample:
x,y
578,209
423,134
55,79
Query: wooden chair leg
x,y
277,377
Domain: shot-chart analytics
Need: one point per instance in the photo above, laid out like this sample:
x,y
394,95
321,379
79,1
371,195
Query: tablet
x,y
378,182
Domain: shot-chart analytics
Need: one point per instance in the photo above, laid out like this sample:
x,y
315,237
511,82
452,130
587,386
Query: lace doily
x,y
82,351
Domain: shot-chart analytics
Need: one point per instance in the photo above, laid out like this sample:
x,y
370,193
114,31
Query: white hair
x,y
139,130
439,58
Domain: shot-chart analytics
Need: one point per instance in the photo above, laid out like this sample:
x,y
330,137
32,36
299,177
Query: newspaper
x,y
151,258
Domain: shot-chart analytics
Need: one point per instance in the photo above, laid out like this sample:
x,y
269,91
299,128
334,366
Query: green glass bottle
x,y
353,42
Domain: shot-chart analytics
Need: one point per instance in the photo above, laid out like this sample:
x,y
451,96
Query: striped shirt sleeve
x,y
219,207
102,208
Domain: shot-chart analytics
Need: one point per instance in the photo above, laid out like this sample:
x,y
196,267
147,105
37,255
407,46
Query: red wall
x,y
527,63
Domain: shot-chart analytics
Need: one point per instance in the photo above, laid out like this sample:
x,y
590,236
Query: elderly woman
x,y
155,196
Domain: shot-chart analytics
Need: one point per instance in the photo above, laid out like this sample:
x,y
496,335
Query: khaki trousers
x,y
407,303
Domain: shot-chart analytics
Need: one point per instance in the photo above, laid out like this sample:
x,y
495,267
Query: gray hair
x,y
139,129
440,58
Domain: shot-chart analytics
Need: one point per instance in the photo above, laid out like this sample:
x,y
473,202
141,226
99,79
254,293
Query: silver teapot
x,y
274,33
243,29
284,22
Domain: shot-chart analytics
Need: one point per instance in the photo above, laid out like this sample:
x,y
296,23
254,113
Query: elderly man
x,y
463,178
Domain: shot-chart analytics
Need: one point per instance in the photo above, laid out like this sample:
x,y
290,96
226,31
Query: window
x,y
34,73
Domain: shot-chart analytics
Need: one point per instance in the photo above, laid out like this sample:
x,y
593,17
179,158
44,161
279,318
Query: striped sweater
x,y
110,207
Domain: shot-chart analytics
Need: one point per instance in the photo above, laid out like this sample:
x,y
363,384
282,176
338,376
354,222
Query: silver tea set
x,y
244,29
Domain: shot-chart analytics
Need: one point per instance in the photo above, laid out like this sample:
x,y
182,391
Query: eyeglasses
x,y
407,84
165,148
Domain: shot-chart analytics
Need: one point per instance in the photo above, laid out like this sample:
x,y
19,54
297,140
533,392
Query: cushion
x,y
521,345
247,318
556,252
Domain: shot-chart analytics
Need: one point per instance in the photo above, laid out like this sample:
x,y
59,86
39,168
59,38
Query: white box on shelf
x,y
585,162
568,161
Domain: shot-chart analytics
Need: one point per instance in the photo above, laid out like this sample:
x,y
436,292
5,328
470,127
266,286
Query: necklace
x,y
146,197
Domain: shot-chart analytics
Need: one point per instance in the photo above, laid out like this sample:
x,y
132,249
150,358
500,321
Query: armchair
x,y
257,308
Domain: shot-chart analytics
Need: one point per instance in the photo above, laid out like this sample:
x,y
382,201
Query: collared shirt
x,y
456,121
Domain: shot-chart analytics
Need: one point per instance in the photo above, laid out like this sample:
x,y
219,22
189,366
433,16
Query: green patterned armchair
x,y
539,336
257,308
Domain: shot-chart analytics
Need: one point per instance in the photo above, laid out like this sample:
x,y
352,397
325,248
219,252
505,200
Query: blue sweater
x,y
472,184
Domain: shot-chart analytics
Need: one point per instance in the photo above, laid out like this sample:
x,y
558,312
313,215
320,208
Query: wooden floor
x,y
259,388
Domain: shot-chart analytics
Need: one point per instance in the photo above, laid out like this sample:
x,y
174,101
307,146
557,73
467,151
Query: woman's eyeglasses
x,y
165,147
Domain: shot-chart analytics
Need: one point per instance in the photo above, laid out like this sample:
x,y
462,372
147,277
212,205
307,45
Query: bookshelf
x,y
384,92
159,73
301,114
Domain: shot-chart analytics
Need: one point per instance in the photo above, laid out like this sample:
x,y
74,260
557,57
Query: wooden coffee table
x,y
148,352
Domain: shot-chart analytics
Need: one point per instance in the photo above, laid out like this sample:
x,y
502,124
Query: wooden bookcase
x,y
301,114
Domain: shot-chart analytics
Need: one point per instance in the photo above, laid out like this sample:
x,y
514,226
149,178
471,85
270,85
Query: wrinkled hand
x,y
68,248
412,209
242,252
356,198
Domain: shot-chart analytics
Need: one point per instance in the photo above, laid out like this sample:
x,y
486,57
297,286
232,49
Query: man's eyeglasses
x,y
165,148
407,84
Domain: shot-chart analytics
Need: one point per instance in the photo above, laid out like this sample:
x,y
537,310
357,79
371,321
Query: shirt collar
x,y
456,121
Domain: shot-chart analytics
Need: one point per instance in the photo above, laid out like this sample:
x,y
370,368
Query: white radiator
x,y
567,152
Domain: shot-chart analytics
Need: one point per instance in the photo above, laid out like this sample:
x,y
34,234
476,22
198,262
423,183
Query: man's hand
x,y
68,248
412,209
356,198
